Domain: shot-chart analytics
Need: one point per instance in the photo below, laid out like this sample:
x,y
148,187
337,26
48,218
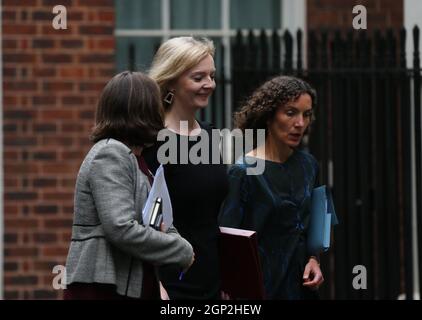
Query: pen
x,y
181,275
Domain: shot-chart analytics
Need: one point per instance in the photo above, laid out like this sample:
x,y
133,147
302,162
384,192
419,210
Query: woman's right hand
x,y
190,264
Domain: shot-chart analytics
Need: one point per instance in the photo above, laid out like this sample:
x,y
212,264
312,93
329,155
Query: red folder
x,y
241,274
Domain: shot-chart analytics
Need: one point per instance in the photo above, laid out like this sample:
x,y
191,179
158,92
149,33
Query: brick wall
x,y
52,79
338,13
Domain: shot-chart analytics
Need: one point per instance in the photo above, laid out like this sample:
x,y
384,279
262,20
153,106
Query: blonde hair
x,y
177,55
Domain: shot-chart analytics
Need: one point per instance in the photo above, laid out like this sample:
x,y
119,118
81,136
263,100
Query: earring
x,y
169,97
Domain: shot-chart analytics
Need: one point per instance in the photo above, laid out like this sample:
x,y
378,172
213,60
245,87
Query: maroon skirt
x,y
102,291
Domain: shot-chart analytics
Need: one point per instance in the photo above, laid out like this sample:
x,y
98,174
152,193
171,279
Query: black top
x,y
196,192
275,204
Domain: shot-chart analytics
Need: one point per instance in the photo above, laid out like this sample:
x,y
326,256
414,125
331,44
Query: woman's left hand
x,y
312,276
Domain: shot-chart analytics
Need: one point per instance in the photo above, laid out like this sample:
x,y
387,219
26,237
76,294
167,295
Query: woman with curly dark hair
x,y
276,203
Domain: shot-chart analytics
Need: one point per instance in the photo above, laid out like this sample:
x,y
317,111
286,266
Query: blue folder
x,y
322,217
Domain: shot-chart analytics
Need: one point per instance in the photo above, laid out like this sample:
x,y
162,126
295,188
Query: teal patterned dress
x,y
276,205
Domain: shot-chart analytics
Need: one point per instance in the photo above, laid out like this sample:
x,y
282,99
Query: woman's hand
x,y
224,296
312,276
163,293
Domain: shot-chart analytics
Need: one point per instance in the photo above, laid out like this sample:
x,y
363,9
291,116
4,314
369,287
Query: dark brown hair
x,y
264,102
129,110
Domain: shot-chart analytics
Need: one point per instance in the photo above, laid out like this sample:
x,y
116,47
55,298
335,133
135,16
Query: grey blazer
x,y
109,241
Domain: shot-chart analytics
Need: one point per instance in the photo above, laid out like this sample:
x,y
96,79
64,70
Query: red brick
x,y
43,43
60,141
9,72
72,72
52,3
48,115
106,44
21,224
21,280
11,210
21,252
96,58
72,155
54,252
19,3
19,114
11,295
44,128
43,15
22,169
107,73
9,44
66,237
58,196
72,44
96,30
57,168
58,223
57,58
68,183
44,72
20,141
20,86
96,3
45,238
44,100
11,266
10,238
73,15
8,15
20,29
72,100
106,16
41,155
48,30
10,127
58,86
11,183
21,196
44,182
46,294
91,86
45,265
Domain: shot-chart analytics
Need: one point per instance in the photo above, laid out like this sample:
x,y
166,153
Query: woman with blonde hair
x,y
184,69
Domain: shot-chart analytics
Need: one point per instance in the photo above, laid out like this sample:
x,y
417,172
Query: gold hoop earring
x,y
169,97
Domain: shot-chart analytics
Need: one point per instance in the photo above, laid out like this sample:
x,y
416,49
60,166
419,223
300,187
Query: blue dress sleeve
x,y
232,212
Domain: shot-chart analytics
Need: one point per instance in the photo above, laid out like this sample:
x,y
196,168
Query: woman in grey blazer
x,y
112,253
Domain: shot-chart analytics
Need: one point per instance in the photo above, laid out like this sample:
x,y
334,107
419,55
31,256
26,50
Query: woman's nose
x,y
210,83
300,122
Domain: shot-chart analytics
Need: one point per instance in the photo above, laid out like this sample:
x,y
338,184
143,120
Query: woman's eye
x,y
290,113
308,114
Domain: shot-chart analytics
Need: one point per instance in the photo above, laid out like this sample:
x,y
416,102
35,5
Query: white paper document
x,y
159,189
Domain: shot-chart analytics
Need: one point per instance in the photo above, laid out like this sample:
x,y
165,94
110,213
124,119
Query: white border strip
x,y
1,166
165,20
173,32
225,8
293,17
412,17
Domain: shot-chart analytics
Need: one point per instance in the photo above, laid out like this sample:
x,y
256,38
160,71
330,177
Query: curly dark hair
x,y
264,102
129,110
